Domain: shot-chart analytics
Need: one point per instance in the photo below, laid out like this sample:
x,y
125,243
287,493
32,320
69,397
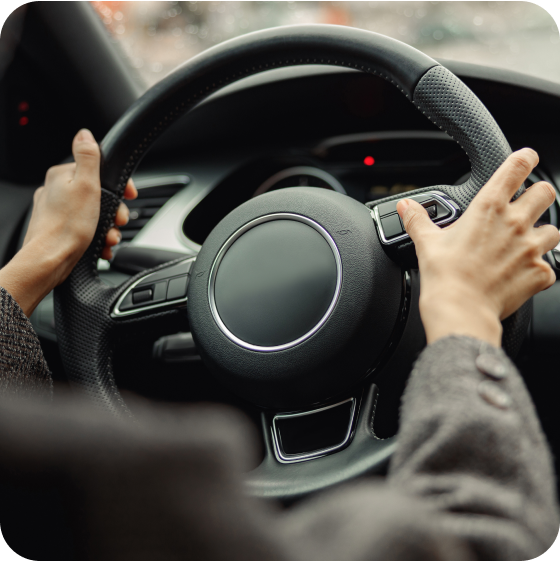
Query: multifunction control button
x,y
441,209
143,295
177,287
392,226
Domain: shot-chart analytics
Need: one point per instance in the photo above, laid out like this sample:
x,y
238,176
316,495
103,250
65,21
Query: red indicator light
x,y
23,121
23,106
369,161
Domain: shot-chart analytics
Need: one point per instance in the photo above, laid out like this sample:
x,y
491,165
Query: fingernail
x,y
85,136
119,237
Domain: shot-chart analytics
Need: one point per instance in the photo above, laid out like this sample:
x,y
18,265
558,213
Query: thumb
x,y
415,220
87,156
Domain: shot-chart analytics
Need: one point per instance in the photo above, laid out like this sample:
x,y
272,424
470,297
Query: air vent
x,y
153,193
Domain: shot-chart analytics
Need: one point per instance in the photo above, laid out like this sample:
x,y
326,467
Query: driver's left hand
x,y
70,220
63,223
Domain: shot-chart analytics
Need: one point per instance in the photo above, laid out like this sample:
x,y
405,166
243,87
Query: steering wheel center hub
x,y
292,298
275,282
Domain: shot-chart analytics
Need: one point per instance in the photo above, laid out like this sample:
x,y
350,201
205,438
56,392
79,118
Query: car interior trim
x,y
165,229
285,458
167,234
380,135
463,70
146,182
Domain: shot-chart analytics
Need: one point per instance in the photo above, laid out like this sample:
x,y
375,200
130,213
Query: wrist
x,y
31,275
460,315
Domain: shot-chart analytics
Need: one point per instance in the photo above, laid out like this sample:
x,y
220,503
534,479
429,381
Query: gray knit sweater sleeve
x,y
471,478
23,369
471,446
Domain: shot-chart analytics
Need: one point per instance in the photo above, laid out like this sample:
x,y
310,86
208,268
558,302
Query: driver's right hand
x,y
483,267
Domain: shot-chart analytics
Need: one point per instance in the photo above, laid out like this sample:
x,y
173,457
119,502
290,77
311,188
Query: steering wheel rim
x,y
83,304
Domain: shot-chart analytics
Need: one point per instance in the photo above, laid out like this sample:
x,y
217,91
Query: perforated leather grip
x,y
454,108
82,303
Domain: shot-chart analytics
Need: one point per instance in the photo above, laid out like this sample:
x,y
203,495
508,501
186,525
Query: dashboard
x,y
365,166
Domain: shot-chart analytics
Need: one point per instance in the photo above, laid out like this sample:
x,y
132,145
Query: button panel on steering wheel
x,y
441,209
164,288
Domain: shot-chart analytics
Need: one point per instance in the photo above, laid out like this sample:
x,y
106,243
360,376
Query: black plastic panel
x,y
316,431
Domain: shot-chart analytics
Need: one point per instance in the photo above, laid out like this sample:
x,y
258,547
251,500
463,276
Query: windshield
x,y
158,36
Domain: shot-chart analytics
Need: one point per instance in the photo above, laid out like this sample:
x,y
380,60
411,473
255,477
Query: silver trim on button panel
x,y
116,313
440,197
229,243
293,458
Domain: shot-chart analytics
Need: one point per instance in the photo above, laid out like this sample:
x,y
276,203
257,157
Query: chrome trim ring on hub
x,y
229,243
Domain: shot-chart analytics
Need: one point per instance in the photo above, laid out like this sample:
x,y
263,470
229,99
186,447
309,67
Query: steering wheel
x,y
299,298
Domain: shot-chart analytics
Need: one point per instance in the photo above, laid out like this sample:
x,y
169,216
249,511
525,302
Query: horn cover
x,y
275,282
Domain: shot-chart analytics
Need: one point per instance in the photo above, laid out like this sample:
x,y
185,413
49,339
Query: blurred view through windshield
x,y
158,36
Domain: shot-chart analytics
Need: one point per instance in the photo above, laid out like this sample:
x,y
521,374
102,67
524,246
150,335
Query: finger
x,y
37,194
87,155
107,254
122,216
130,191
509,177
551,276
543,277
113,237
548,237
416,221
535,201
